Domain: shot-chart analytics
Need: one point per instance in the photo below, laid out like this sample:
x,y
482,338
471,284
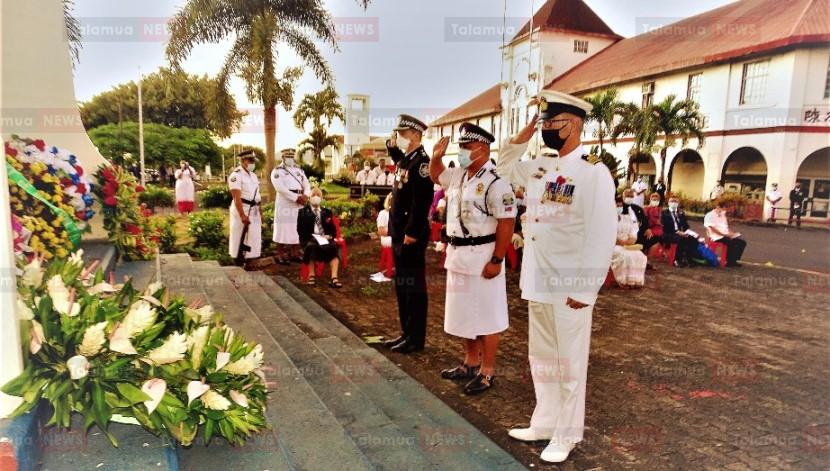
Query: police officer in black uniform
x,y
797,198
409,228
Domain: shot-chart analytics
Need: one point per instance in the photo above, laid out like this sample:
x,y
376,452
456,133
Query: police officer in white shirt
x,y
293,190
363,174
244,210
639,187
569,235
372,177
480,216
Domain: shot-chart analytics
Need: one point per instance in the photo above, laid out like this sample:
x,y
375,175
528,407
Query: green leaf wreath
x,y
114,353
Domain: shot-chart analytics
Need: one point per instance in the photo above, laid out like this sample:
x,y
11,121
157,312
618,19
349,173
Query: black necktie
x,y
674,218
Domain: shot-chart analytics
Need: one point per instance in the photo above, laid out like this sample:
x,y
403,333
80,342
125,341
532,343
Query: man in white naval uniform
x,y
480,217
244,186
570,231
293,190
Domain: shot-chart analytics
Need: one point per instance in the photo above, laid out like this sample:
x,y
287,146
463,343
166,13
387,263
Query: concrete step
x,y
74,449
140,273
377,436
448,439
305,434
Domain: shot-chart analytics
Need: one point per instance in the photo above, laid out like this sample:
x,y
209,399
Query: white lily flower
x,y
155,388
32,273
24,312
37,337
171,351
222,359
195,389
198,339
246,364
214,400
77,258
203,315
78,367
239,398
102,287
93,339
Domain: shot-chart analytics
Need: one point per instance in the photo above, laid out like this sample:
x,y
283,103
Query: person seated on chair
x,y
654,225
628,262
717,227
676,231
315,226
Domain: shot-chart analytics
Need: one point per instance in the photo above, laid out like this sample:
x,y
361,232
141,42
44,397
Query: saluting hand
x,y
440,147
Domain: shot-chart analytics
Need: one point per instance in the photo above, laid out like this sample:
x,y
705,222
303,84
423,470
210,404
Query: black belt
x,y
471,241
249,202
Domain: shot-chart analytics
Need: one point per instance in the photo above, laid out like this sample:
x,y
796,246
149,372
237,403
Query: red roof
x,y
487,103
568,15
739,29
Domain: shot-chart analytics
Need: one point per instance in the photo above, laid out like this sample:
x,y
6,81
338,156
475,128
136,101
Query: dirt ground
x,y
702,369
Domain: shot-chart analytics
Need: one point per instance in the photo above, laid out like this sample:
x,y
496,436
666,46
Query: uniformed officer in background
x,y
293,190
409,228
481,208
244,210
570,231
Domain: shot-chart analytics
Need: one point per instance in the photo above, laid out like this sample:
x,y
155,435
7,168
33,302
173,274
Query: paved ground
x,y
703,369
806,249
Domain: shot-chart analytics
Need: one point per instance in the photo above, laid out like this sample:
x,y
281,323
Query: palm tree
x,y
670,119
323,105
257,28
605,109
677,119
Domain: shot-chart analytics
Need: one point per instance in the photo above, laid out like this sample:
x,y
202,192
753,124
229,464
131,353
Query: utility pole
x,y
141,131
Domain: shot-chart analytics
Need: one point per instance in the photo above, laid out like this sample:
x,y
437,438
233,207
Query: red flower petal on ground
x,y
41,146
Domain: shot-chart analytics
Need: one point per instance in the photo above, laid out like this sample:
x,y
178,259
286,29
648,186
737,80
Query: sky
x,y
408,56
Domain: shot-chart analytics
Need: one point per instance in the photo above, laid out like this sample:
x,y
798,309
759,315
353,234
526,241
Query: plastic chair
x,y
714,245
341,243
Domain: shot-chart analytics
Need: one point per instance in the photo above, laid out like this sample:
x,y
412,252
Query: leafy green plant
x,y
166,230
215,197
219,254
157,197
208,228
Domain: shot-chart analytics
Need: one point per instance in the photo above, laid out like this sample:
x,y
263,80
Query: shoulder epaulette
x,y
591,159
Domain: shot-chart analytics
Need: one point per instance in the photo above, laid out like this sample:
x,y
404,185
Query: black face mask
x,y
552,139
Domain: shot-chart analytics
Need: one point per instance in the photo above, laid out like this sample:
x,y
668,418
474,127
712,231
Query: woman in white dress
x,y
185,189
628,263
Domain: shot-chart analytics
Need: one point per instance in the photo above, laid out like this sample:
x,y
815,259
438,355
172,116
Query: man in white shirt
x,y
569,235
773,197
717,227
363,174
372,177
639,188
480,216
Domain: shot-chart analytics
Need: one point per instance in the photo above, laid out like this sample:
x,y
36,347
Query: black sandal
x,y
460,372
335,283
479,384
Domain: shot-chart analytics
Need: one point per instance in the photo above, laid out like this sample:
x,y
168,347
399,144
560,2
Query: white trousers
x,y
558,345
254,237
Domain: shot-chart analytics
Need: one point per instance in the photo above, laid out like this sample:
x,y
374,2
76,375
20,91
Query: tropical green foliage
x,y
606,108
166,229
215,197
162,144
157,197
172,98
208,228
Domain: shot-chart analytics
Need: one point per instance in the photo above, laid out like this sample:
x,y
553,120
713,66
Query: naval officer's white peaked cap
x,y
554,102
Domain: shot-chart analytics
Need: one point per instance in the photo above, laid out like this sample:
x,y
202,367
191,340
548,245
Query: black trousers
x,y
795,213
686,247
734,248
411,289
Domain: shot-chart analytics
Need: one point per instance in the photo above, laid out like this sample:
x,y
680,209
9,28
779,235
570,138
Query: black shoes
x,y
479,384
393,342
733,264
407,347
460,372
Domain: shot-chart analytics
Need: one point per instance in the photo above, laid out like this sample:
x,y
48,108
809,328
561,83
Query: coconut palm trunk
x,y
270,131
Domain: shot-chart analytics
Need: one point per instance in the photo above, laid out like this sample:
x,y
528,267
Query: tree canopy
x,y
162,144
175,99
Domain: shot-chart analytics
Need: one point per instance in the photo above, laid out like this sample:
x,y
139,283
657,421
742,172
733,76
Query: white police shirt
x,y
571,223
481,200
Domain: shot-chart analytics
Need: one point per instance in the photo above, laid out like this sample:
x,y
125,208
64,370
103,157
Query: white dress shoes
x,y
556,452
528,434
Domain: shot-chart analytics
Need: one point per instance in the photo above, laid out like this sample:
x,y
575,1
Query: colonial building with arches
x,y
759,70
